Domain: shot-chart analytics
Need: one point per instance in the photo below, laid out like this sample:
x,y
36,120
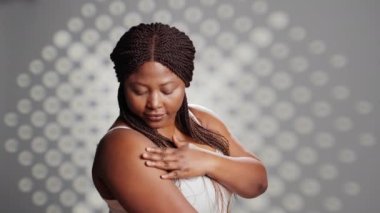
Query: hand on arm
x,y
137,187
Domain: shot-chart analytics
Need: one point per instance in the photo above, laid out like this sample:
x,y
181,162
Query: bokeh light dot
x,y
39,171
52,131
25,158
310,187
146,6
301,94
367,139
263,66
50,79
317,47
89,37
88,10
68,198
225,11
303,125
53,208
280,50
37,92
321,109
38,118
36,66
193,14
103,22
289,171
260,7
39,145
67,170
319,78
298,64
49,53
67,144
261,36
25,132
65,92
11,145
281,80
75,24
351,188
210,27
332,204
267,125
243,24
117,8
80,157
276,187
11,119
340,92
347,155
52,105
328,172
24,106
76,51
307,156
271,156
338,61
25,184
293,202
63,65
324,140
364,107
286,140
177,4
283,110
163,16
265,96
278,20
343,123
62,39
65,117
132,19
244,53
54,184
23,80
208,2
81,184
297,33
226,40
53,158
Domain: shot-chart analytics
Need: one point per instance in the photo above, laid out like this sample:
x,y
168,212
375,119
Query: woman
x,y
162,155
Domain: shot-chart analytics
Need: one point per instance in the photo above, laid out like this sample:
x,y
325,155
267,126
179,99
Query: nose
x,y
154,101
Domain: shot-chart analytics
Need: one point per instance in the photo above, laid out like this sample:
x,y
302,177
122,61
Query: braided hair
x,y
172,48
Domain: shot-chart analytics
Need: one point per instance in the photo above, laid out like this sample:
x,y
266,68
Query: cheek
x,y
176,101
134,103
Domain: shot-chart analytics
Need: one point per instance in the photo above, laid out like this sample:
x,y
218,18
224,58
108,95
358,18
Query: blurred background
x,y
294,80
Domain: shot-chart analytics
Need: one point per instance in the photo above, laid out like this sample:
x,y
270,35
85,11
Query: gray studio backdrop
x,y
296,81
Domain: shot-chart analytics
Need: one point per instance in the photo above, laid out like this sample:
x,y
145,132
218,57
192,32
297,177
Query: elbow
x,y
255,190
257,187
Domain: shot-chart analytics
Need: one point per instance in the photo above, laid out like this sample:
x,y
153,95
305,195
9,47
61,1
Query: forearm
x,y
245,176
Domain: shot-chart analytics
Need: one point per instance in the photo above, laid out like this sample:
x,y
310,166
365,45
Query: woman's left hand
x,y
183,162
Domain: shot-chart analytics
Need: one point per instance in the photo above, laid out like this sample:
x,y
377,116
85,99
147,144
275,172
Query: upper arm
x,y
137,187
210,120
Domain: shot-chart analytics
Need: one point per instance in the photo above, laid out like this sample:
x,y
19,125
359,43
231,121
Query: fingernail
x,y
163,176
149,149
145,155
149,163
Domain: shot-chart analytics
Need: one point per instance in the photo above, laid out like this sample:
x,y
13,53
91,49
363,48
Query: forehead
x,y
152,71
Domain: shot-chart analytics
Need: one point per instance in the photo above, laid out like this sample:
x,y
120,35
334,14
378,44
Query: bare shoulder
x,y
208,118
121,170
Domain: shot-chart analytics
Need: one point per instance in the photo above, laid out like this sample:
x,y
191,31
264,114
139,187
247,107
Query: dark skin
x,y
130,168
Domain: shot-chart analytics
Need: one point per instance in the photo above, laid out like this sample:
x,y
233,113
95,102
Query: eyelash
x,y
145,92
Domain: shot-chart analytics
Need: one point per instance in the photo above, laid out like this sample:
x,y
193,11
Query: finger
x,y
160,150
172,175
164,165
159,157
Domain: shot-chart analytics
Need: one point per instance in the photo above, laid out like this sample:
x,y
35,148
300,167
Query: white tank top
x,y
201,192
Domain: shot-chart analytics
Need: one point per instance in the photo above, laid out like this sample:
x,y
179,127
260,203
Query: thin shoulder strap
x,y
118,127
191,114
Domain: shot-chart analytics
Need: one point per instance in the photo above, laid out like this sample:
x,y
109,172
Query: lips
x,y
154,117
